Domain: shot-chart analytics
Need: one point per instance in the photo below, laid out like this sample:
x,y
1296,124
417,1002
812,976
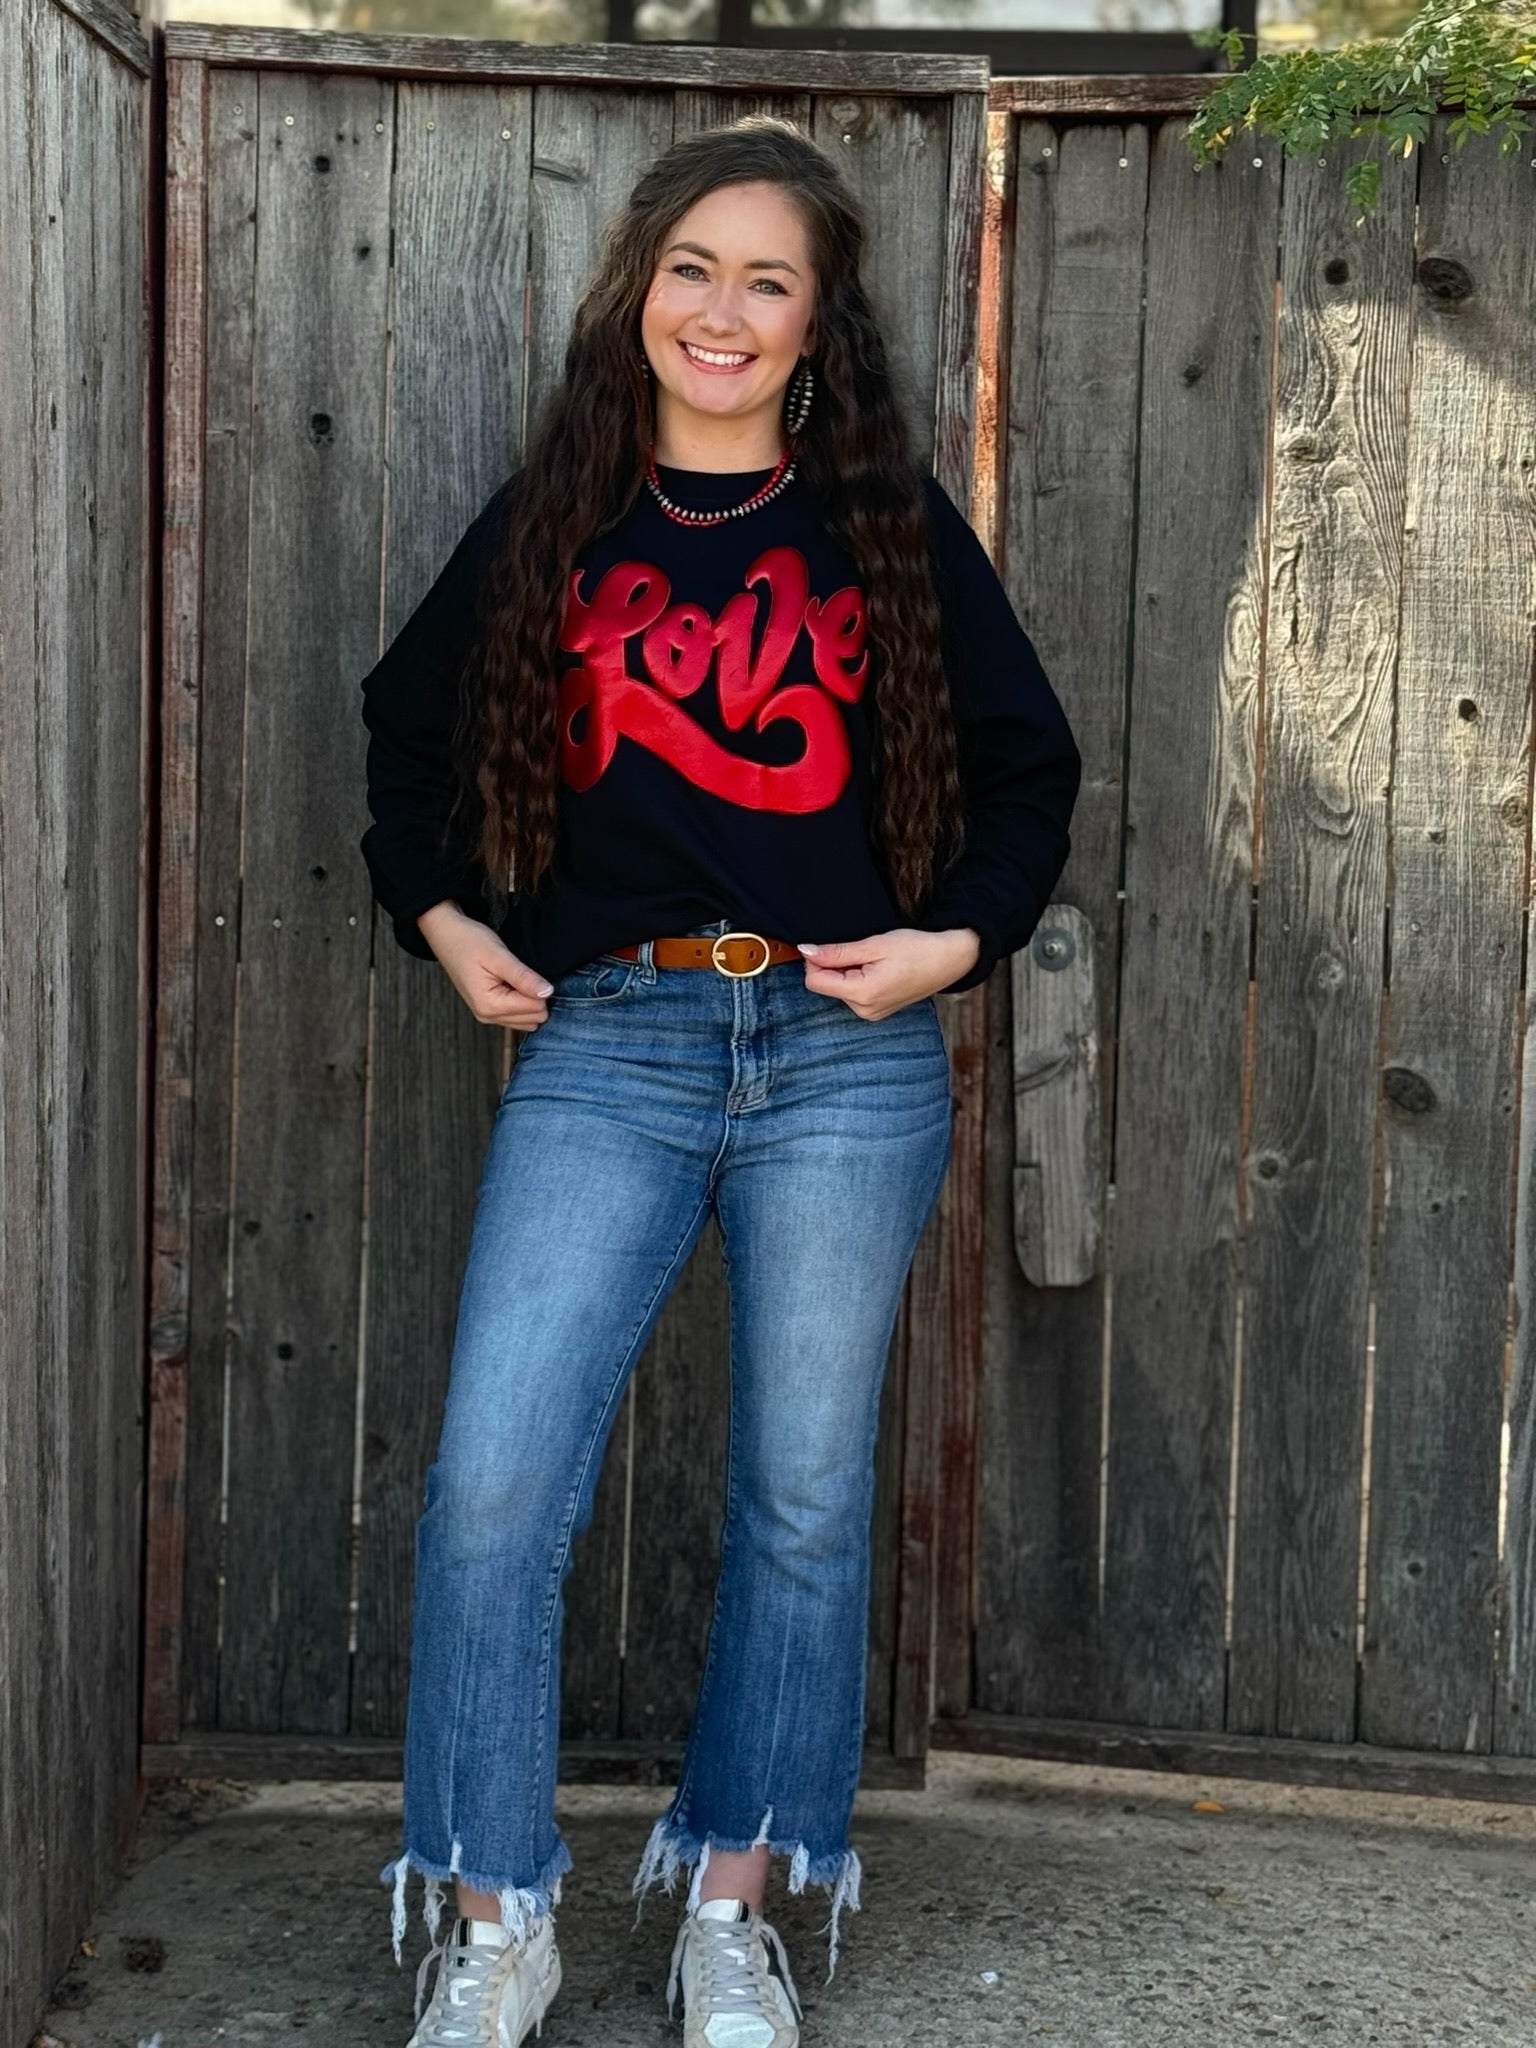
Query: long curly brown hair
x,y
585,463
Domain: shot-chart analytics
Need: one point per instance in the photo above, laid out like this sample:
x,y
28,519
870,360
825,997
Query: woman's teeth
x,y
717,358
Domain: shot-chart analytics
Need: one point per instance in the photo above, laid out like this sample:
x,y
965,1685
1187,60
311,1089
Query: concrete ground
x,y
1009,1901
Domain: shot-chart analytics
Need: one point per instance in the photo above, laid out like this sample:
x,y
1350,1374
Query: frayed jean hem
x,y
672,1847
520,1906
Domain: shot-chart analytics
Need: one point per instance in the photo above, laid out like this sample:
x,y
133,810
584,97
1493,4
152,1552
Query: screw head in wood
x,y
1053,948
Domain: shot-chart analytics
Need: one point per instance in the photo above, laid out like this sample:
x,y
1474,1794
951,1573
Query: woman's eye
x,y
772,283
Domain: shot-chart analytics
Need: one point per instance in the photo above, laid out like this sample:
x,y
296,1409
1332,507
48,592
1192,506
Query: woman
x,y
726,689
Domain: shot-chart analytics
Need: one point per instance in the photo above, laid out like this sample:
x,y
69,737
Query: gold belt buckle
x,y
738,973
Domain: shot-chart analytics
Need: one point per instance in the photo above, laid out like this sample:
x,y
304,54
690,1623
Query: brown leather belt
x,y
736,954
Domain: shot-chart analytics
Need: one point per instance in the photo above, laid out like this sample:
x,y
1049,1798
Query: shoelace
x,y
730,1980
481,1970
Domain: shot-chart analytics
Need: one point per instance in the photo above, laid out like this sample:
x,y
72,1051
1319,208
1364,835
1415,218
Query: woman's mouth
x,y
718,361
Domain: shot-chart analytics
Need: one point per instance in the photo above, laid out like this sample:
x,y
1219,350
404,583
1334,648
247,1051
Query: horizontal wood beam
x,y
1350,1766
1081,92
1096,96
113,24
265,1758
686,64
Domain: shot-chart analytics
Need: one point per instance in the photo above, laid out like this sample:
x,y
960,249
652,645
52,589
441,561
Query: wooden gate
x,y
1208,1439
374,249
1263,493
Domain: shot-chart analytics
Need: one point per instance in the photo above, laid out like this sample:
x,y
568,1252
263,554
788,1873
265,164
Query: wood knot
x,y
1407,1091
1444,279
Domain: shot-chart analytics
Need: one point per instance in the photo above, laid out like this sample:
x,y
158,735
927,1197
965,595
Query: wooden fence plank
x,y
317,449
217,668
98,1382
57,443
24,901
183,426
1460,800
589,146
1141,96
1331,645
1514,1715
1068,456
895,155
1184,975
715,67
961,287
955,1347
460,213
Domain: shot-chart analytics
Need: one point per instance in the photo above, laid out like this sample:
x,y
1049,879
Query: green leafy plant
x,y
1478,56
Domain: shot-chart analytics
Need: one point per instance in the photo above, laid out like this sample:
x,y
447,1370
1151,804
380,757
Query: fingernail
x,y
810,949
546,988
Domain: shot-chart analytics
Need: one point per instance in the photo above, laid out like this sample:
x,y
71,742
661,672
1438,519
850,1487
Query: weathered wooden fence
x,y
1265,493
74,606
1260,481
1209,1434
374,249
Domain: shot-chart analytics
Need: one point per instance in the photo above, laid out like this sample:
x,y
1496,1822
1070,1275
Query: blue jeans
x,y
649,1097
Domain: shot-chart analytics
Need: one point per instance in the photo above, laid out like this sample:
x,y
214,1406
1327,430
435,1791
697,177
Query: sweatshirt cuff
x,y
409,935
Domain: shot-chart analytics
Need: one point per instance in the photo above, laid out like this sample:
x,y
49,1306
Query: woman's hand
x,y
877,975
498,987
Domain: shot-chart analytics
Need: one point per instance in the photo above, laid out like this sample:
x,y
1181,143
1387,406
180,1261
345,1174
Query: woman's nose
x,y
721,313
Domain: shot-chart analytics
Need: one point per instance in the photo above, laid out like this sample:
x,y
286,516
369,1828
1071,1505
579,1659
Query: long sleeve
x,y
409,706
1019,765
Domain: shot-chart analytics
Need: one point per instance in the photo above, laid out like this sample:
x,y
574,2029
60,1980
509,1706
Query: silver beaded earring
x,y
798,398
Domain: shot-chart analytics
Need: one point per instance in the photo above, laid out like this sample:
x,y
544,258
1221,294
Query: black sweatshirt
x,y
716,739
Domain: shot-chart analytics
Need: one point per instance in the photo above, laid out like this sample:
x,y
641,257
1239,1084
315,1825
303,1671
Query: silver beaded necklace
x,y
783,471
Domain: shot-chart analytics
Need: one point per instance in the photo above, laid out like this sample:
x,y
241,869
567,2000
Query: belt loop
x,y
647,947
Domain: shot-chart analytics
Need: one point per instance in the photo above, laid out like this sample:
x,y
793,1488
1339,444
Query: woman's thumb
x,y
526,980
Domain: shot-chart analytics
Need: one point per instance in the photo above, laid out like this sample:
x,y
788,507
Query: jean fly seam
x,y
604,1420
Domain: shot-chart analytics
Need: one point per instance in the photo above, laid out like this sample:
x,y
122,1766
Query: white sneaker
x,y
490,1992
737,1990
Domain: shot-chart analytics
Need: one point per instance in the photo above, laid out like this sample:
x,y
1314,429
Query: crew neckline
x,y
722,485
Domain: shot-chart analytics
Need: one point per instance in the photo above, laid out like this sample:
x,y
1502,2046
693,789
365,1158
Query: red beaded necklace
x,y
783,470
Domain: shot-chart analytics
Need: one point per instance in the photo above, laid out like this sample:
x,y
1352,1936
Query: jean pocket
x,y
602,979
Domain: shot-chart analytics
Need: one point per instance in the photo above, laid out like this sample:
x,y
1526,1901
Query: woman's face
x,y
729,309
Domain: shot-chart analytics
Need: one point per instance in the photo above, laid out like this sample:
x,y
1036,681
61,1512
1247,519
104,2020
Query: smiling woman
x,y
730,315
728,690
